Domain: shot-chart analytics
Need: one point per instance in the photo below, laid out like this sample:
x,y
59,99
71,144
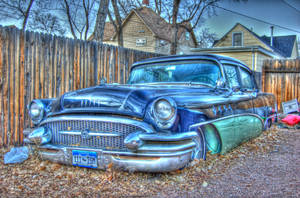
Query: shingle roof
x,y
108,33
281,44
161,28
155,23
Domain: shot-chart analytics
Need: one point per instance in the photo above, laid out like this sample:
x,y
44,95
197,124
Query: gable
x,y
137,35
248,38
134,26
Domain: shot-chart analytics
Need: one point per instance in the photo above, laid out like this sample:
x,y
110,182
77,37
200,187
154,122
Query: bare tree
x,y
117,23
46,22
205,38
78,15
125,6
100,20
16,9
175,26
188,15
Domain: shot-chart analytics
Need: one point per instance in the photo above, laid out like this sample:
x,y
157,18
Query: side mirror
x,y
220,83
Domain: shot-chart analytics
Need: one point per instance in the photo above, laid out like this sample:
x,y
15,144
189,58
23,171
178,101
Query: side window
x,y
246,79
231,74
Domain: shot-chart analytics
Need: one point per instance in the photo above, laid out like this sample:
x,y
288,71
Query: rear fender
x,y
224,134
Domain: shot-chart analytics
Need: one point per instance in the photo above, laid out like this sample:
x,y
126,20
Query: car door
x,y
248,89
238,127
240,98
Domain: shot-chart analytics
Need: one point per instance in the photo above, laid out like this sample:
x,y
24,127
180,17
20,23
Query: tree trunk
x,y
27,14
119,29
174,26
100,21
87,23
69,19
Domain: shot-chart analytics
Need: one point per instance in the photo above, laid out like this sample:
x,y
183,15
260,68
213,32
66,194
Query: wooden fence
x,y
282,78
34,65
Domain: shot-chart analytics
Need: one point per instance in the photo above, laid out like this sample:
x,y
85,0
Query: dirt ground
x,y
268,166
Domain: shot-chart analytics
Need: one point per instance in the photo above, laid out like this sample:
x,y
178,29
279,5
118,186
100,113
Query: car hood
x,y
132,100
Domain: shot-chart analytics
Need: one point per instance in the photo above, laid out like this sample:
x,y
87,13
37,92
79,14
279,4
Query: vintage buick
x,y
172,110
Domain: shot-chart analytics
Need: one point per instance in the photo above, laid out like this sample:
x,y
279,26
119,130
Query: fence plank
x,y
16,94
2,80
282,78
21,85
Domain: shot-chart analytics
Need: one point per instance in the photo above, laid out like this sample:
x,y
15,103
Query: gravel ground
x,y
268,166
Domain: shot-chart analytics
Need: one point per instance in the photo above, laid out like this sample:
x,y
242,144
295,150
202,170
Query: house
x,y
242,43
144,30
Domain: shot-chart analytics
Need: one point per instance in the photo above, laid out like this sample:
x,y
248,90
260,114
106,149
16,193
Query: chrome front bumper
x,y
125,161
126,144
157,152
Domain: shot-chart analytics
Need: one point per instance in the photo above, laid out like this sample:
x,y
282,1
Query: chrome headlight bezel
x,y
36,117
164,121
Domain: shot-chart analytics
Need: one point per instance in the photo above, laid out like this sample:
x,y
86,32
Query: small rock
x,y
204,184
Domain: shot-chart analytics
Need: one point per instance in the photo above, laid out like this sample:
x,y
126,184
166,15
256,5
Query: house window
x,y
187,36
237,39
141,42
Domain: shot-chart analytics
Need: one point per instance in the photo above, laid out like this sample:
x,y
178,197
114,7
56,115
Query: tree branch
x,y
27,14
69,19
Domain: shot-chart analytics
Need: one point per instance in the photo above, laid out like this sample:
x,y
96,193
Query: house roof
x,y
283,45
108,33
156,24
161,28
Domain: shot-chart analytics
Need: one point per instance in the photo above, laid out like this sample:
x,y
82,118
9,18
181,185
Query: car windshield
x,y
200,71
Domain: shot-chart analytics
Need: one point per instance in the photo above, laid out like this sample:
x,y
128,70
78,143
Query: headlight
x,y
164,112
163,109
36,111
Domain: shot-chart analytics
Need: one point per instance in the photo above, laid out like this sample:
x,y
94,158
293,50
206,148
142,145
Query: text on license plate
x,y
84,158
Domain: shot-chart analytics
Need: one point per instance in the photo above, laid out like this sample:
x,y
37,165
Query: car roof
x,y
219,58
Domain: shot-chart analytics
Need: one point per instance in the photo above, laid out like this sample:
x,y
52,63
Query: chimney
x,y
271,39
146,2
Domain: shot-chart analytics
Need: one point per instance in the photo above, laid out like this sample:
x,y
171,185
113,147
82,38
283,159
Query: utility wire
x,y
290,5
260,20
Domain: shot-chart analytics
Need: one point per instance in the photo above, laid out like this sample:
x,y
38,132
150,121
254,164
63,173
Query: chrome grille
x,y
101,142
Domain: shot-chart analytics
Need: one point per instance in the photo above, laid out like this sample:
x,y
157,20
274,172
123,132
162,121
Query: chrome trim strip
x,y
126,153
148,128
166,147
223,118
167,137
94,133
130,163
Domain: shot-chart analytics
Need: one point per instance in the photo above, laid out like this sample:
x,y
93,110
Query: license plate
x,y
84,159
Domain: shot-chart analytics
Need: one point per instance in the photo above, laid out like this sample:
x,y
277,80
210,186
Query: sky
x,y
284,13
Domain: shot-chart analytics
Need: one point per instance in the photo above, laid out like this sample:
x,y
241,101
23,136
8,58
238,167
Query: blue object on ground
x,y
16,155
